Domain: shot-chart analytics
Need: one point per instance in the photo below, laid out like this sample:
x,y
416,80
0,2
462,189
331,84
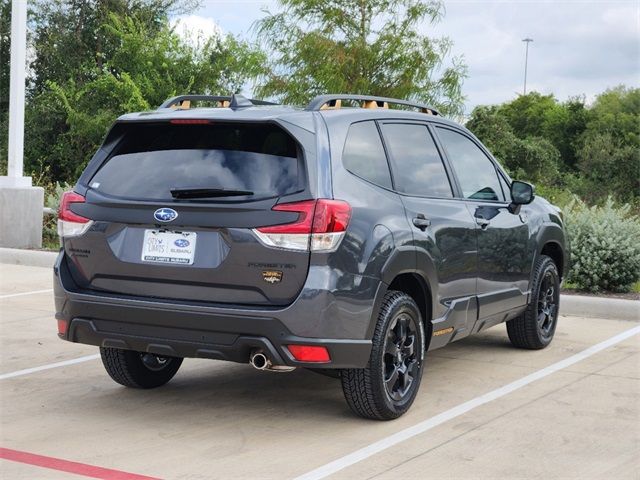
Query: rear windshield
x,y
153,159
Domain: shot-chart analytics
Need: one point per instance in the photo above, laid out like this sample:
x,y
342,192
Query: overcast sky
x,y
580,47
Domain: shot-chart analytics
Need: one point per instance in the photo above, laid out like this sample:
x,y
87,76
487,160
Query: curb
x,y
31,258
573,305
598,307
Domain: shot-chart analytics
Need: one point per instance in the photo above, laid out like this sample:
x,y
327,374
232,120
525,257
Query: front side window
x,y
417,165
476,173
506,188
364,156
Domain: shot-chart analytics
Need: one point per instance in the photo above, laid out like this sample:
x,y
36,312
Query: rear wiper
x,y
207,192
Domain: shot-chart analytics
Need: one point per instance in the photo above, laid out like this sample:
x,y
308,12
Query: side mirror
x,y
521,193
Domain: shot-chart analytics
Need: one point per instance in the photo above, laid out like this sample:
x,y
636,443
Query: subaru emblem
x,y
165,214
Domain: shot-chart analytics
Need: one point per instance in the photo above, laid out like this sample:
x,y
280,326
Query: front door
x,y
504,250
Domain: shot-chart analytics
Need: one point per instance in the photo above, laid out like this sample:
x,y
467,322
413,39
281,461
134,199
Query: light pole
x,y
526,60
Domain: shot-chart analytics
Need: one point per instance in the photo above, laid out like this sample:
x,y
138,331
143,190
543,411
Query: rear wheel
x,y
138,369
387,387
534,329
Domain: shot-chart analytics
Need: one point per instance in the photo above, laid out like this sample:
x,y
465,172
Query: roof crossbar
x,y
234,101
333,101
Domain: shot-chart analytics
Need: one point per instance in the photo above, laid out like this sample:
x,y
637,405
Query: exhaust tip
x,y
259,361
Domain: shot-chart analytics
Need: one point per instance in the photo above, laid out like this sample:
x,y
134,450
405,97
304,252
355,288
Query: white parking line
x,y
11,295
422,427
49,366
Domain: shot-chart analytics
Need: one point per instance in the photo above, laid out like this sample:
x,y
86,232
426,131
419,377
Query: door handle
x,y
483,222
421,222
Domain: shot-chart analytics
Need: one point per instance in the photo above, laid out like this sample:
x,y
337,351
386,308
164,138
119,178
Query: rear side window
x,y
152,159
476,173
364,156
416,162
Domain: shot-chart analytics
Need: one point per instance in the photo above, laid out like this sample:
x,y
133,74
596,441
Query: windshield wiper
x,y
207,192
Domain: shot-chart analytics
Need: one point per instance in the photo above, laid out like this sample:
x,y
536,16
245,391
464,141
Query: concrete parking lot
x,y
485,410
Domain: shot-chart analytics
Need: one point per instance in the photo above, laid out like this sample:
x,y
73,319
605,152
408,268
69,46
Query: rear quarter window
x,y
152,159
364,156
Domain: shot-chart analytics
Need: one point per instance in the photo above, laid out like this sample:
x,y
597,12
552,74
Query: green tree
x,y
71,48
533,158
563,126
527,113
97,59
536,115
609,151
360,46
69,41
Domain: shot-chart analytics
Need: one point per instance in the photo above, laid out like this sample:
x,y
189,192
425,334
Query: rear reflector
x,y
320,226
62,327
309,353
71,224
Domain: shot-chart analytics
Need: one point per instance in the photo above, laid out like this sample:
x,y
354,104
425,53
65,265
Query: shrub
x,y
605,250
52,196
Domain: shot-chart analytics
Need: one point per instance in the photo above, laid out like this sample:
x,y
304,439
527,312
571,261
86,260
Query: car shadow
x,y
216,390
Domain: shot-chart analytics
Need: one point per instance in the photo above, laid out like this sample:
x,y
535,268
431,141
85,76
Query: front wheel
x,y
534,329
387,387
138,369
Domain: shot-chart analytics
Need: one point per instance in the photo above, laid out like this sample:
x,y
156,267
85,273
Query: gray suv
x,y
347,237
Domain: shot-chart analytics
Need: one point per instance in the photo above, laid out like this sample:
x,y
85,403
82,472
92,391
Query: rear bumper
x,y
204,331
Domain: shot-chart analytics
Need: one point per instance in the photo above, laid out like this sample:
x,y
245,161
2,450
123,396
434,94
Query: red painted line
x,y
68,466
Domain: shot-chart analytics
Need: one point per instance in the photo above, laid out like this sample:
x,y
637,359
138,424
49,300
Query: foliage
x,y
605,248
360,46
534,158
144,71
69,40
97,59
592,151
609,153
52,197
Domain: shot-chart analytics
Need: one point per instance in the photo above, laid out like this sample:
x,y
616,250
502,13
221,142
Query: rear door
x,y
504,249
173,209
443,230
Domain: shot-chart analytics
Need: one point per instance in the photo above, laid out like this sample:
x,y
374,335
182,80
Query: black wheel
x,y
386,388
534,329
138,369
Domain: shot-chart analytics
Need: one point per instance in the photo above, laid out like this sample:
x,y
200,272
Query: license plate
x,y
162,246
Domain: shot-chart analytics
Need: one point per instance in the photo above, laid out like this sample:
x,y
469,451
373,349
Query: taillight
x,y
71,224
309,353
320,226
330,222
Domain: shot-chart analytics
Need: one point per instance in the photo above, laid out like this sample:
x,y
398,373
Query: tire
x,y
535,327
387,387
138,369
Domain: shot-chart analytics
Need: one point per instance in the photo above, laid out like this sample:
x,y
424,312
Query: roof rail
x,y
234,101
334,100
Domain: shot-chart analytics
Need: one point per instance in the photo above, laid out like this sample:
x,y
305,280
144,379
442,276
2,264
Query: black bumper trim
x,y
218,346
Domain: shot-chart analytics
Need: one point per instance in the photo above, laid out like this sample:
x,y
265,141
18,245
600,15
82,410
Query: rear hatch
x,y
172,208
